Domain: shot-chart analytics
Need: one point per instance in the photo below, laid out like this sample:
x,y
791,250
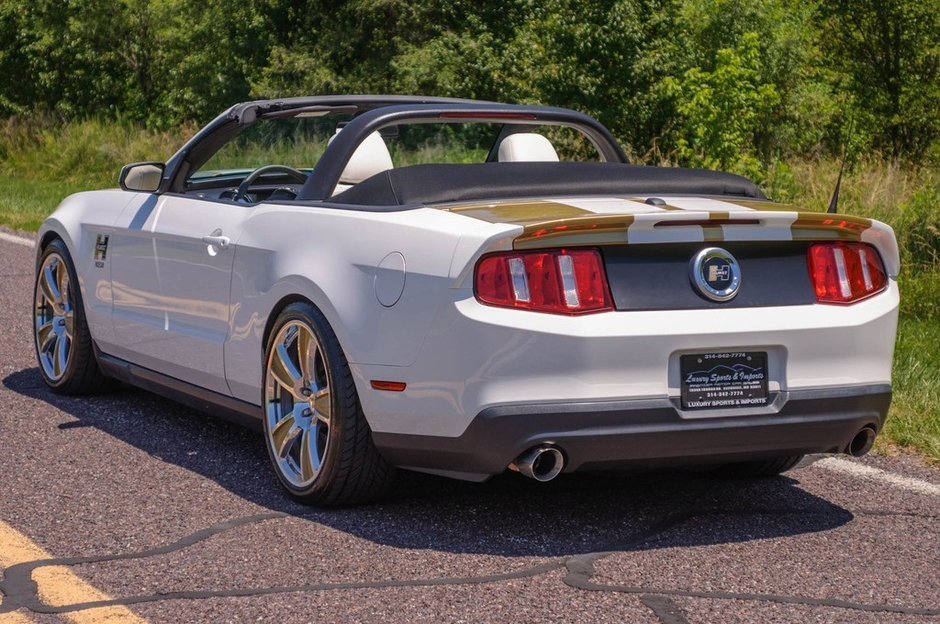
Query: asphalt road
x,y
160,513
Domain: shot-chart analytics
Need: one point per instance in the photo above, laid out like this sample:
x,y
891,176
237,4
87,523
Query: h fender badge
x,y
101,250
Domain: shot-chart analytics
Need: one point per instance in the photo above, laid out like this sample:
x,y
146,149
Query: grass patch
x,y
914,419
42,161
24,204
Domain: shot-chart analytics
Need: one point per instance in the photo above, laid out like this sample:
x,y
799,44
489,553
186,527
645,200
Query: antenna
x,y
834,202
835,193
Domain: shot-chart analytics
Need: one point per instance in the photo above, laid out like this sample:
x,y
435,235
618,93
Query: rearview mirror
x,y
142,177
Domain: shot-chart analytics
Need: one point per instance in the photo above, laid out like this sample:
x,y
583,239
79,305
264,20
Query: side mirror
x,y
142,177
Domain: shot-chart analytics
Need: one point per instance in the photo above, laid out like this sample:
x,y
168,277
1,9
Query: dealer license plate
x,y
726,379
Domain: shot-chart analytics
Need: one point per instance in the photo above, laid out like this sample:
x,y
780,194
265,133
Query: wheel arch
x,y
254,319
47,238
53,230
275,312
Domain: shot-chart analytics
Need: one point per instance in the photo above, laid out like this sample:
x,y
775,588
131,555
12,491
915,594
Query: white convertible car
x,y
462,288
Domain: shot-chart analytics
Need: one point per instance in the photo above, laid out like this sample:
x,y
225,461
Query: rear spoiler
x,y
710,227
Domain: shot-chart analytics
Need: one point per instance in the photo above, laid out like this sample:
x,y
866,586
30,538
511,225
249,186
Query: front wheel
x,y
61,336
317,438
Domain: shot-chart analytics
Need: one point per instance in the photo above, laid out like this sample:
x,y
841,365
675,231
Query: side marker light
x,y
391,386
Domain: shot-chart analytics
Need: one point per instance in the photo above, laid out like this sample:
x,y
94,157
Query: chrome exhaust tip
x,y
542,463
862,442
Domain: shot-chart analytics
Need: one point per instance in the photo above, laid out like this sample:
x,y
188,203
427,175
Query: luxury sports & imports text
x,y
715,378
729,402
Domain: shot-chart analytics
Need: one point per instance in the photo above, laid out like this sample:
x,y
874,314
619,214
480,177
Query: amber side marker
x,y
391,386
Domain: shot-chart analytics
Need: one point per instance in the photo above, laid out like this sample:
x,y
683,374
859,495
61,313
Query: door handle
x,y
217,241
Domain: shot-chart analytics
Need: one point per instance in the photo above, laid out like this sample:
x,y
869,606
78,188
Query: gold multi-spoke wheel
x,y
63,342
318,440
54,317
298,402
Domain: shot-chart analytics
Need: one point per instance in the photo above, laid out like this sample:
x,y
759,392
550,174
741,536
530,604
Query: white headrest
x,y
370,158
526,147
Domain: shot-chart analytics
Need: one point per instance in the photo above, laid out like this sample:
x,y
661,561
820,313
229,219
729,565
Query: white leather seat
x,y
526,147
370,158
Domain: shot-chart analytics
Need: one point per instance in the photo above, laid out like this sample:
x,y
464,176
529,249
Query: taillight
x,y
559,281
845,272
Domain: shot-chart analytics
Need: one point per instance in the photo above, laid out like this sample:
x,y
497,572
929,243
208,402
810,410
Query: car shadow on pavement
x,y
508,515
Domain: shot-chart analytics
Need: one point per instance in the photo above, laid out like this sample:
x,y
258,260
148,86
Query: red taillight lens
x,y
845,272
559,281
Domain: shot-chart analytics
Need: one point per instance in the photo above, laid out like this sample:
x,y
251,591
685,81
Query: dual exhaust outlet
x,y
862,442
542,463
545,462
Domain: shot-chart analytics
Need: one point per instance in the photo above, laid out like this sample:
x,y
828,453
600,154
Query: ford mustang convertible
x,y
461,288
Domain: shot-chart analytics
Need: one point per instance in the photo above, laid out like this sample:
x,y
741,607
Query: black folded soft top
x,y
441,183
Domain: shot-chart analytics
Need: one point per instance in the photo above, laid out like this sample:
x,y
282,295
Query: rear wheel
x,y
317,438
761,468
63,343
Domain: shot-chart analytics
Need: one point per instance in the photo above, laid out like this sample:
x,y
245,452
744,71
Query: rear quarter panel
x,y
331,257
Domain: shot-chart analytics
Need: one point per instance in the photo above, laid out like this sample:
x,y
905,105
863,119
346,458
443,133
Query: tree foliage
x,y
725,110
887,57
734,84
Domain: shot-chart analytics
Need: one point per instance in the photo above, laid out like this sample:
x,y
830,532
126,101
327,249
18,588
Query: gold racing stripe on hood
x,y
520,213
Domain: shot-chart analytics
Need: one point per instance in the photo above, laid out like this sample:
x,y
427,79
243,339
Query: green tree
x,y
342,46
601,58
59,57
723,110
785,54
888,52
207,53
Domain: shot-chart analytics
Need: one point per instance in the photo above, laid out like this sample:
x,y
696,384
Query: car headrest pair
x,y
372,155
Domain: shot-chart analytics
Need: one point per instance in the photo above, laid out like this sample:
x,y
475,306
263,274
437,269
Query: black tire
x,y
317,437
63,343
761,468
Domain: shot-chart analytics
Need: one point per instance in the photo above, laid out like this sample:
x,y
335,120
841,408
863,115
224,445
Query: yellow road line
x,y
14,618
58,586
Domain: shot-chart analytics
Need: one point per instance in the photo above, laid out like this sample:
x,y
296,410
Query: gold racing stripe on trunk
x,y
593,230
707,227
554,224
824,226
637,229
715,233
757,204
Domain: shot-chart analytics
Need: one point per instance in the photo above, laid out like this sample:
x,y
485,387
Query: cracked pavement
x,y
177,515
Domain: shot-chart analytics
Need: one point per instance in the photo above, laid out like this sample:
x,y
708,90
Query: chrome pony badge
x,y
716,274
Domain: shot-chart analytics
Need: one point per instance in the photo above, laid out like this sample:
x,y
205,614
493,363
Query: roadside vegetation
x,y
775,90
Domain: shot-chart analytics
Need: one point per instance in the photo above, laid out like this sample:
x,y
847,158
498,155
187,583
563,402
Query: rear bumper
x,y
598,435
